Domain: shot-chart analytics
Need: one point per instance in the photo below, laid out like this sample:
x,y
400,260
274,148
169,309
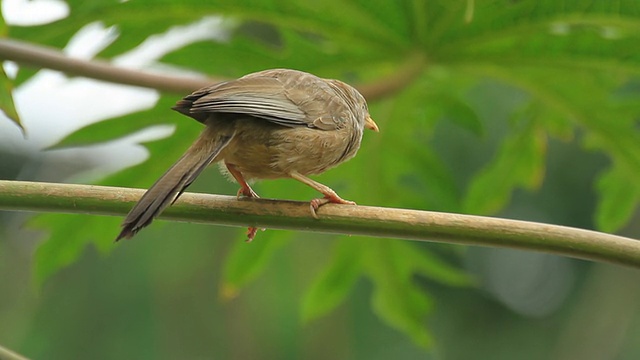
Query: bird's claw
x,y
315,204
251,234
246,192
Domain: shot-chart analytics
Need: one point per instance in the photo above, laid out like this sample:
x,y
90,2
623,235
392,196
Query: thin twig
x,y
342,219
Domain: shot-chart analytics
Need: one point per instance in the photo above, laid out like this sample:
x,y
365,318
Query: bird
x,y
277,123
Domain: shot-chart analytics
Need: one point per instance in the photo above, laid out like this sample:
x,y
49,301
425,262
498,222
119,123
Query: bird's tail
x,y
172,184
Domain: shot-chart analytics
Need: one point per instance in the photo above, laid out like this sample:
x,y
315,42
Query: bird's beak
x,y
370,124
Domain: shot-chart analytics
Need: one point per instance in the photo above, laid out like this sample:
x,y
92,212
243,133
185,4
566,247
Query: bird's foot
x,y
315,204
251,233
247,192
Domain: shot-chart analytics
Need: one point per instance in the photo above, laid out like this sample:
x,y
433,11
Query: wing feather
x,y
266,95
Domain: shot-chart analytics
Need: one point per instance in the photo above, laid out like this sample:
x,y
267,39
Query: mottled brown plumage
x,y
266,125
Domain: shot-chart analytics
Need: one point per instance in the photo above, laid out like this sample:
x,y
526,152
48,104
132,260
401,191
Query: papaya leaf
x,y
619,197
332,286
424,263
397,299
519,162
247,261
70,234
112,129
6,99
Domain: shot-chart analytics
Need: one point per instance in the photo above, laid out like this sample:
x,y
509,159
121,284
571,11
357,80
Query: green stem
x,y
342,219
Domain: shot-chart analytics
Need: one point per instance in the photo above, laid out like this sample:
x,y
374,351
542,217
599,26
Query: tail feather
x,y
166,190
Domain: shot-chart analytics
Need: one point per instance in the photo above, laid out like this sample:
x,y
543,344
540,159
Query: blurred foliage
x,y
6,100
6,86
562,67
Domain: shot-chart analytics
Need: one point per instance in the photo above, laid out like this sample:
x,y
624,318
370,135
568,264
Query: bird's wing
x,y
274,95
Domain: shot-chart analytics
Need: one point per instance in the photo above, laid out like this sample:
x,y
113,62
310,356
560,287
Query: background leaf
x,y
6,86
524,108
332,286
116,128
6,100
396,299
619,198
519,163
247,261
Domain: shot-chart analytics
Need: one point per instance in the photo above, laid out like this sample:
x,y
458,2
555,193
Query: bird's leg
x,y
330,196
245,190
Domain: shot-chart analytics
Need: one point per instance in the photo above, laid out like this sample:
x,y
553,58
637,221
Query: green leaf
x,y
112,129
460,113
3,26
397,299
553,34
331,287
419,178
556,125
6,99
69,239
70,234
568,56
246,261
619,196
6,86
422,262
518,162
607,122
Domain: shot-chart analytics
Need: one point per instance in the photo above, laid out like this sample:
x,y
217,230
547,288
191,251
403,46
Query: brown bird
x,y
270,124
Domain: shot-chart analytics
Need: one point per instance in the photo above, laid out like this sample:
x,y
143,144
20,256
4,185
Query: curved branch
x,y
341,219
407,72
45,57
6,354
